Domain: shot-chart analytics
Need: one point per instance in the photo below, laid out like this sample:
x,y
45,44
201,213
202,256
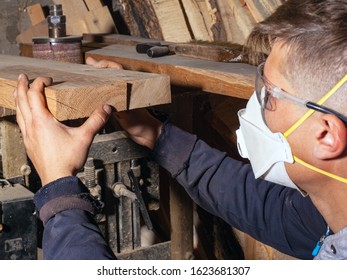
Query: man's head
x,y
306,45
313,36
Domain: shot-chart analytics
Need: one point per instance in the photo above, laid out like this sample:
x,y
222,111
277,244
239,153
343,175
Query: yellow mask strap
x,y
320,102
321,171
307,115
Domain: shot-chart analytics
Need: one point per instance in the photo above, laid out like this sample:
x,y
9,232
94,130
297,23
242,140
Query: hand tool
x,y
202,50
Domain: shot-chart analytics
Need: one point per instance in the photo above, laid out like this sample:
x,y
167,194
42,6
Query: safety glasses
x,y
265,90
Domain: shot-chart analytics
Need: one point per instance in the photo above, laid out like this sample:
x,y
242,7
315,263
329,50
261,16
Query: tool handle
x,y
158,51
144,47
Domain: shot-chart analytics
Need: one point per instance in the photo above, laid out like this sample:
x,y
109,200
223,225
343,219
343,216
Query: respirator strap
x,y
304,118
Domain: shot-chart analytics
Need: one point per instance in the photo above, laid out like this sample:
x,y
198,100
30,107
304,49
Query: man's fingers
x,y
95,122
20,121
21,97
36,97
103,63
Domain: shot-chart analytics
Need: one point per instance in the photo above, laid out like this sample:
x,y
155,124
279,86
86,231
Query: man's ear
x,y
331,138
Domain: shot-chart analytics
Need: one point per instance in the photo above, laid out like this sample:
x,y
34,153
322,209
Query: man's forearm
x,y
71,232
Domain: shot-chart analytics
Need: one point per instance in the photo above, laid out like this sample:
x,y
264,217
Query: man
x,y
300,153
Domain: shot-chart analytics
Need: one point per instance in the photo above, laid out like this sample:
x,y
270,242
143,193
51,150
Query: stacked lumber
x,y
86,16
183,21
82,16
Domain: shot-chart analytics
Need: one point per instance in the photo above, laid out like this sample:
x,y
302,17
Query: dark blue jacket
x,y
273,214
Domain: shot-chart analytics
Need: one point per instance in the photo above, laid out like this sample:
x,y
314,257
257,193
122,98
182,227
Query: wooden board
x,y
112,39
38,30
86,16
74,12
99,21
261,9
198,18
93,4
171,20
35,13
231,79
243,18
140,19
79,89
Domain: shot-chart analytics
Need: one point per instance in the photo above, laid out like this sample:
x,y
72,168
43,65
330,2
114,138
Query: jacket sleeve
x,y
275,215
70,230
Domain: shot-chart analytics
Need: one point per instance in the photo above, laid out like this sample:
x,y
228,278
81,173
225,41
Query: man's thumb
x,y
97,120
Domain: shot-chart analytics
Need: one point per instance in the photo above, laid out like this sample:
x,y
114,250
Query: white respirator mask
x,y
267,151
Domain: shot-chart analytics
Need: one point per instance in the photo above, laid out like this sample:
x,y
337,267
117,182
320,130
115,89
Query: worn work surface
x,y
231,79
78,89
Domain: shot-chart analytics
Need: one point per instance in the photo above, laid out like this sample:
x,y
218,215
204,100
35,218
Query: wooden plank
x,y
171,20
93,4
99,21
35,13
244,20
217,29
111,39
74,11
6,112
231,79
140,19
40,29
13,153
232,21
199,19
86,17
79,89
261,9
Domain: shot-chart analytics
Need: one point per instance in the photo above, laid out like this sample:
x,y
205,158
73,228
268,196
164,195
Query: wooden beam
x,y
40,29
198,18
140,19
12,149
93,4
79,89
74,11
261,9
99,21
171,20
36,13
84,16
231,79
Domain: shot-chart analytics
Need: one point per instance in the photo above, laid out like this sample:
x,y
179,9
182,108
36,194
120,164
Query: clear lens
x,y
262,89
259,85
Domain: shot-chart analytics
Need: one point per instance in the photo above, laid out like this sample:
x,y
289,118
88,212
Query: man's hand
x,y
55,150
103,63
140,125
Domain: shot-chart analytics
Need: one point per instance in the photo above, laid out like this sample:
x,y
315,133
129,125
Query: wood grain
x,y
261,9
78,89
171,20
36,13
83,16
198,18
230,79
